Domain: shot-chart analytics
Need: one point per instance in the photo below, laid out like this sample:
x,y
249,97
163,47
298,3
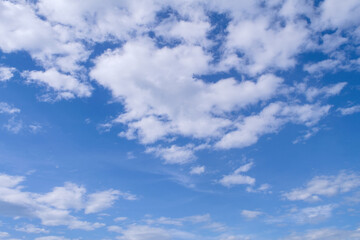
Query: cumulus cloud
x,y
269,120
265,44
65,86
325,186
52,45
53,208
159,67
6,73
237,177
159,100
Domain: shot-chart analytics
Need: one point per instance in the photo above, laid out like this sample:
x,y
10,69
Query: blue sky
x,y
159,120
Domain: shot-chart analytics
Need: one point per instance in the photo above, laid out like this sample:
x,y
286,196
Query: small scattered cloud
x,y
8,109
174,154
349,110
325,186
325,234
51,238
6,73
251,214
120,219
13,125
308,134
301,216
102,200
29,228
197,170
35,127
237,177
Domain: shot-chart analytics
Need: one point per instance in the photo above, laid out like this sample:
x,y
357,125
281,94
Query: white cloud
x,y
116,229
119,219
191,32
102,200
251,214
319,67
312,214
159,100
52,238
6,108
325,234
265,44
331,90
7,181
269,120
65,86
13,125
325,186
29,228
167,228
52,45
308,134
174,154
308,215
334,14
66,197
263,188
35,127
237,178
349,110
197,170
4,234
235,237
170,95
196,219
144,232
6,73
101,21
54,208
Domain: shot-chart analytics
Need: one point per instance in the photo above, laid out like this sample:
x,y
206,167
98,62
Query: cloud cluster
x,y
55,207
325,186
167,60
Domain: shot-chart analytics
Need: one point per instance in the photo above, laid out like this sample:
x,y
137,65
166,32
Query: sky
x,y
179,120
